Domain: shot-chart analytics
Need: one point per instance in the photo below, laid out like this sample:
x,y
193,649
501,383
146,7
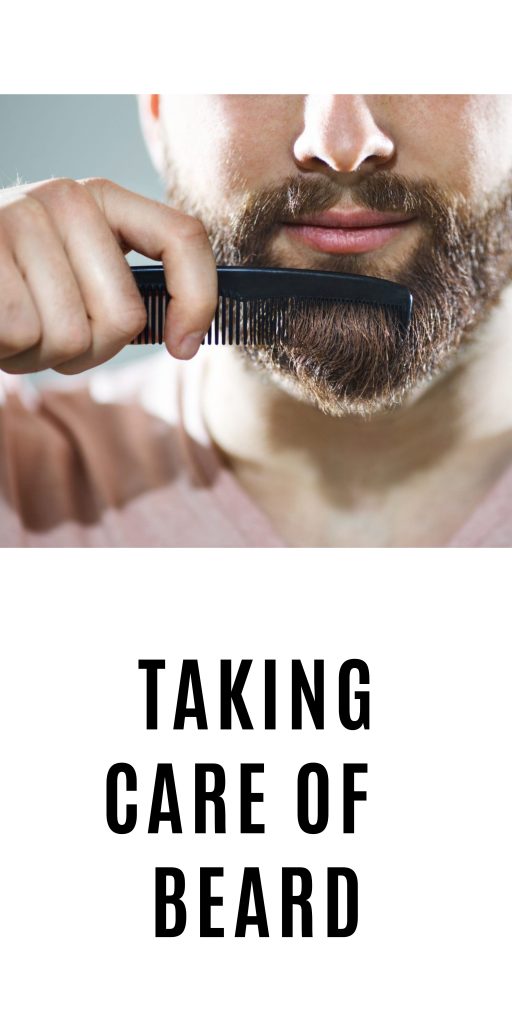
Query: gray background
x,y
76,137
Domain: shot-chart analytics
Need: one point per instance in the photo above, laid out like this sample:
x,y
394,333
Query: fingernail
x,y
189,345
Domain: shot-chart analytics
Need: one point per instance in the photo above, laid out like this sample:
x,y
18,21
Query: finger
x,y
111,298
39,254
181,243
20,327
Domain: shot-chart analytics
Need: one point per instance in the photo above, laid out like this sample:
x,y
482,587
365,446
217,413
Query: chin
x,y
326,398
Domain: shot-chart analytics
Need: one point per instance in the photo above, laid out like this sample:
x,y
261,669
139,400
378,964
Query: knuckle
x,y
126,322
65,193
188,229
76,341
24,211
58,188
96,183
20,328
96,190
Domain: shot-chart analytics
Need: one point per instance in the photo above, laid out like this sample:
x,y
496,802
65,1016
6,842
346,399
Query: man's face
x,y
413,188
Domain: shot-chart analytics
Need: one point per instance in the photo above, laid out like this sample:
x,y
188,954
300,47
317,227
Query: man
x,y
347,434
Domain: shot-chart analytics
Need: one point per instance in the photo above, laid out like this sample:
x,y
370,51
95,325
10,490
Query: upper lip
x,y
351,219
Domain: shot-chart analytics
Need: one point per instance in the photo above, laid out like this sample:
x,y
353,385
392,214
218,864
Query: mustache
x,y
383,192
261,212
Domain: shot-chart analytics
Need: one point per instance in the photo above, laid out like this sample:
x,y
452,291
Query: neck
x,y
409,476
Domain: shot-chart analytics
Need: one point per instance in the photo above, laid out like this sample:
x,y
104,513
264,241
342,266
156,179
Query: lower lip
x,y
345,240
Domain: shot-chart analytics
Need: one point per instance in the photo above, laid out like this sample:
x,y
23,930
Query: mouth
x,y
347,231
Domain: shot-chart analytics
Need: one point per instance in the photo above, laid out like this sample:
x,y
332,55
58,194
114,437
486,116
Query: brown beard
x,y
353,358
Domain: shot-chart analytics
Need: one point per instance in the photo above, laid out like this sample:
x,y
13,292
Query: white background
x,y
432,846
268,46
432,843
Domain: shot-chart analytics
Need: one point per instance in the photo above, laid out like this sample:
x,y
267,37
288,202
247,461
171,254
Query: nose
x,y
342,134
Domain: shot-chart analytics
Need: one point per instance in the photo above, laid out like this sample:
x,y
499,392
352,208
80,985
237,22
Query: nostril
x,y
342,158
340,133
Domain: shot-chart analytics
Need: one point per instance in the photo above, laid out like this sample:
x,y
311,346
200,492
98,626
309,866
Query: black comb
x,y
254,302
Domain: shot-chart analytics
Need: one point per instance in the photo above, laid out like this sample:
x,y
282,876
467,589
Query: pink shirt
x,y
122,459
118,458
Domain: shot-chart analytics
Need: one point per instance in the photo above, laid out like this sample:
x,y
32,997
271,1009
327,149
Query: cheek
x,y
197,138
261,131
461,142
224,145
491,150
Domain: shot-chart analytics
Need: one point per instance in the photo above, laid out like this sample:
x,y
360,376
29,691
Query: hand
x,y
68,299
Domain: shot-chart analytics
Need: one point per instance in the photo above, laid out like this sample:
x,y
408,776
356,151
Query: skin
x,y
405,477
62,311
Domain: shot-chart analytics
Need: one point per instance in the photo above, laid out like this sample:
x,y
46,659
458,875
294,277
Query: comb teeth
x,y
255,304
236,321
249,322
156,300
